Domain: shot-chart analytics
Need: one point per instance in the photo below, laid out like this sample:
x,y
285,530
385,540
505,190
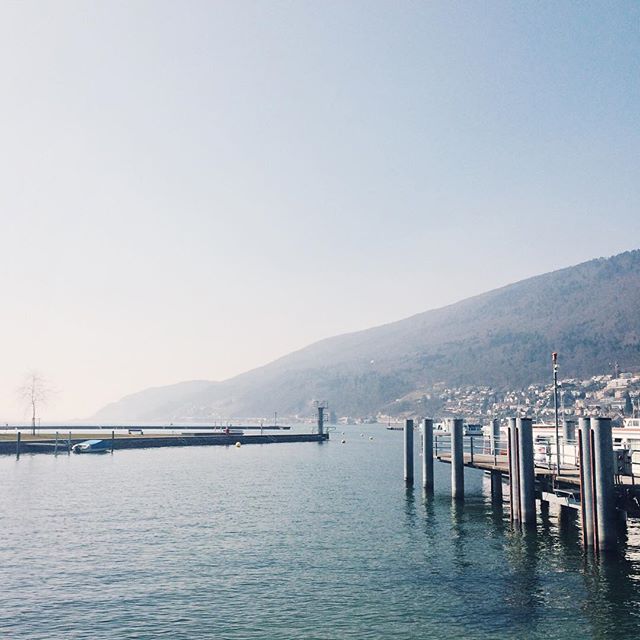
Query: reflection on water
x,y
525,595
410,506
291,541
611,584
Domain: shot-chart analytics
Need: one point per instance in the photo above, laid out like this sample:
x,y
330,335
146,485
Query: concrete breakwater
x,y
64,442
11,447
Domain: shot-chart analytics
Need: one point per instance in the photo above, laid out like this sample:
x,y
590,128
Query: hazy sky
x,y
191,189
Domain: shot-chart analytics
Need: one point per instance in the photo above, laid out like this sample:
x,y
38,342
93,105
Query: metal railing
x,y
544,451
472,445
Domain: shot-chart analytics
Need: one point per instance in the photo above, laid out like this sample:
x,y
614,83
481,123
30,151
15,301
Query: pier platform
x,y
570,476
500,463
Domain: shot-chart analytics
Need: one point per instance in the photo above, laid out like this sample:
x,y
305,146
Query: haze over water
x,y
288,541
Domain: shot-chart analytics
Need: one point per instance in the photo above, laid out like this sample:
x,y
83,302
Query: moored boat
x,y
91,446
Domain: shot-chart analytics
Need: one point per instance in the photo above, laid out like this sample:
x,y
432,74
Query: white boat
x,y
91,446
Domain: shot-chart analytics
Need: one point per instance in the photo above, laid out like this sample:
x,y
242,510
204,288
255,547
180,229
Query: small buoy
x,y
362,435
370,437
342,441
343,433
238,445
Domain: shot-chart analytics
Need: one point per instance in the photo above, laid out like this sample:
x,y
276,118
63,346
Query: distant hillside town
x,y
615,395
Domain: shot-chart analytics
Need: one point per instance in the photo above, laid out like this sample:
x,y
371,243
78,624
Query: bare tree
x,y
34,391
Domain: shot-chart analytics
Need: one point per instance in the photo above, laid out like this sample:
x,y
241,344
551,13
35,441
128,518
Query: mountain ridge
x,y
502,337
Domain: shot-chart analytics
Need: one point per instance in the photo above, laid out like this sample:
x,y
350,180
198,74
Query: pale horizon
x,y
191,191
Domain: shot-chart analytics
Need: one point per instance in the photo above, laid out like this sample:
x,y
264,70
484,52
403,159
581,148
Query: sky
x,y
191,189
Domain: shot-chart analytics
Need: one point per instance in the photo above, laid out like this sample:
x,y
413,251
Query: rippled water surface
x,y
288,541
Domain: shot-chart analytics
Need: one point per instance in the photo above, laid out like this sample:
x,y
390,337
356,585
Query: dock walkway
x,y
569,476
500,463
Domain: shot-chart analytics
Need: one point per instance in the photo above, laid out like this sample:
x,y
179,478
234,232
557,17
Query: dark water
x,y
288,541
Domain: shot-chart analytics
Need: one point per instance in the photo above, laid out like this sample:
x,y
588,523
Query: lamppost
x,y
554,361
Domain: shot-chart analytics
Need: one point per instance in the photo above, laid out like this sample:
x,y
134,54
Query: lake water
x,y
288,541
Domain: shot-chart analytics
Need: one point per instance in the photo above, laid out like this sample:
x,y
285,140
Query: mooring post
x,y
427,454
526,476
457,459
496,486
604,483
69,443
18,437
408,451
586,482
512,454
55,448
568,431
568,437
113,438
321,420
510,467
495,437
